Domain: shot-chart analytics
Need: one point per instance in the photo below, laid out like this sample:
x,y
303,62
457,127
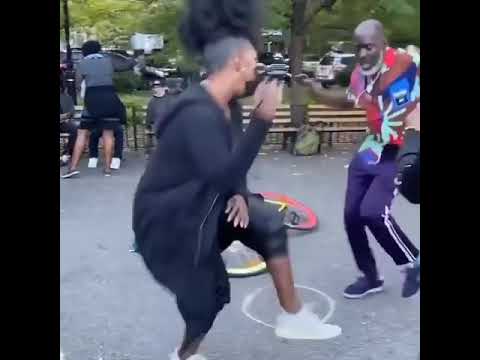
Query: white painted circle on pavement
x,y
249,299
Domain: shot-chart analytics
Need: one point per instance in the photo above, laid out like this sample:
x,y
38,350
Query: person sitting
x,y
67,124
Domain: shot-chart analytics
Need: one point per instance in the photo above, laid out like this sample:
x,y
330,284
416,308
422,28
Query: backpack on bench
x,y
308,141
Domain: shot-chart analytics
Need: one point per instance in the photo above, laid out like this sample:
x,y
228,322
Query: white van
x,y
332,64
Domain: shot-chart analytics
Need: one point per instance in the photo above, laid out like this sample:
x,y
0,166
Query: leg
x,y
376,213
267,236
207,293
82,139
118,135
271,245
359,181
281,272
93,145
108,144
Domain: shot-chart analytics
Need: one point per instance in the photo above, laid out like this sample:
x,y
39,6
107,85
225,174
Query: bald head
x,y
369,38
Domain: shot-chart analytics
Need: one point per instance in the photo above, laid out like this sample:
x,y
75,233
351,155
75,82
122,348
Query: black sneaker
x,y
363,287
70,173
107,172
412,281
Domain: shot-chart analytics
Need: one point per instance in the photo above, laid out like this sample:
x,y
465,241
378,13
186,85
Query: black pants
x,y
209,289
369,196
71,128
118,133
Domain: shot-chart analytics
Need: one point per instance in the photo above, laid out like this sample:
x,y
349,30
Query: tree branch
x,y
313,8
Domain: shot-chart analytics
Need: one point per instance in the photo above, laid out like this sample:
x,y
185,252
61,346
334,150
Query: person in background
x,y
104,109
386,84
118,134
158,103
67,123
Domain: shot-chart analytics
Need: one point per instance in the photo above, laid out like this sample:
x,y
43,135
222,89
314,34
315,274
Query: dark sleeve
x,y
409,167
237,127
149,118
121,66
410,186
207,139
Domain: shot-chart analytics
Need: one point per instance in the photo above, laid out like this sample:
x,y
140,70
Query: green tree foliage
x,y
110,21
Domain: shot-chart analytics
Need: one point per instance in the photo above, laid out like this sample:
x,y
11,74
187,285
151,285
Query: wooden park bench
x,y
282,124
331,121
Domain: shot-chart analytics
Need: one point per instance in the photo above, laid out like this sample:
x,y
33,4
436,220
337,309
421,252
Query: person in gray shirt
x,y
103,108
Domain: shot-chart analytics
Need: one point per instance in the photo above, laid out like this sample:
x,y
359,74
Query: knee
x,y
198,328
276,244
351,215
371,214
199,324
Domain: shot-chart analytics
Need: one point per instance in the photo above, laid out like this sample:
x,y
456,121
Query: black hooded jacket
x,y
190,176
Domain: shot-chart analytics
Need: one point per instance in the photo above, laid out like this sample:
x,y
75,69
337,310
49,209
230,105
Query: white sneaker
x,y
92,163
174,356
305,325
115,164
65,158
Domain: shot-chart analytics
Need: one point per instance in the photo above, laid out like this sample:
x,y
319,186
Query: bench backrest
x,y
317,115
320,114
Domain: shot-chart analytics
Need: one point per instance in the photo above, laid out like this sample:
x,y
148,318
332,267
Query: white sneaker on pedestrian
x,y
174,356
305,325
115,164
92,163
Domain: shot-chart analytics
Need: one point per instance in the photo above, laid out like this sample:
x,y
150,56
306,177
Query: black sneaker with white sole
x,y
412,281
70,173
362,287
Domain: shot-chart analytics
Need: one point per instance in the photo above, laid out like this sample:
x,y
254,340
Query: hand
x,y
237,211
313,84
413,119
268,97
64,117
303,79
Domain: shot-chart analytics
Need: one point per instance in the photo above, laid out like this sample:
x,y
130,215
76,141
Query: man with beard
x,y
386,84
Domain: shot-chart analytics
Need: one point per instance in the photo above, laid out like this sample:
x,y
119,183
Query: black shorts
x,y
103,109
90,123
265,233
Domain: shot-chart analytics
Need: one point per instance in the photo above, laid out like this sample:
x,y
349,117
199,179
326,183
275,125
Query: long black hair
x,y
208,21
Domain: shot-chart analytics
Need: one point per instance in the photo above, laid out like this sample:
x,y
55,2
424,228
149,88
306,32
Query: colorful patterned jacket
x,y
387,98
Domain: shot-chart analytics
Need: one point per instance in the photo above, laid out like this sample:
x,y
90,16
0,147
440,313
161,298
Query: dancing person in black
x,y
192,200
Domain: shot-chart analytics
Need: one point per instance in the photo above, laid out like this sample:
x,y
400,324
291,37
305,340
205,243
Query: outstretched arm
x,y
325,96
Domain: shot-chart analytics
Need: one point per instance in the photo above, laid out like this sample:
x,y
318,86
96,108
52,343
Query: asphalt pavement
x,y
111,309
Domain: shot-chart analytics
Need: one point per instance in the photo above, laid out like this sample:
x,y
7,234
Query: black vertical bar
x,y
134,118
70,73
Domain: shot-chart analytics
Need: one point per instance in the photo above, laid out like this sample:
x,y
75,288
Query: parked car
x,y
276,65
333,64
310,63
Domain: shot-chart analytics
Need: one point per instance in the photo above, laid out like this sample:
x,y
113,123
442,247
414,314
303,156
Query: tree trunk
x,y
297,46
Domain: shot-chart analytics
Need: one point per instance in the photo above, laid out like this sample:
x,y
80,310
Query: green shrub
x,y
127,82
